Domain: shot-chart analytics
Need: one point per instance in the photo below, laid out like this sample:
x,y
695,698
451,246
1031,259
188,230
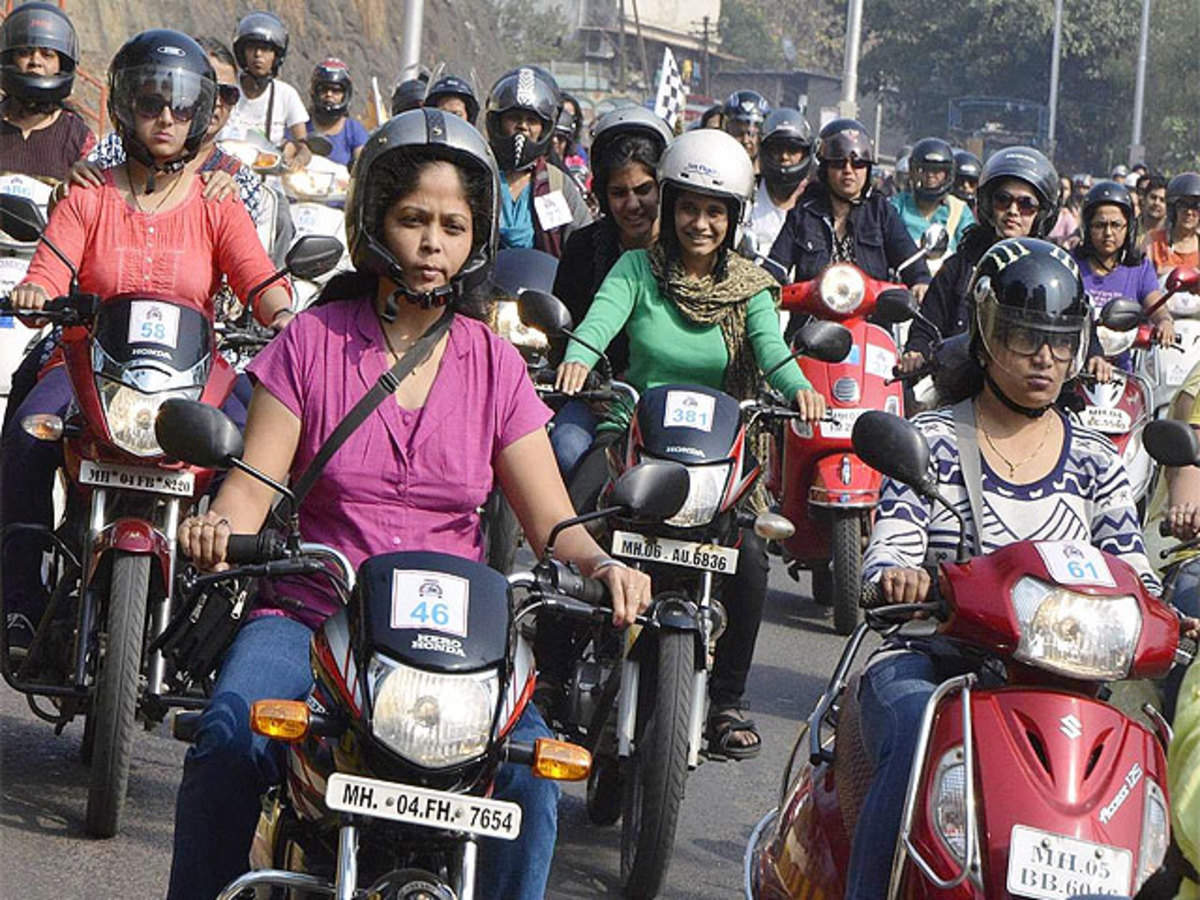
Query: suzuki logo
x,y
1071,727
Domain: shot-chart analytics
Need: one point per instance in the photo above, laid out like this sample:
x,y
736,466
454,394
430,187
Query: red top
x,y
181,253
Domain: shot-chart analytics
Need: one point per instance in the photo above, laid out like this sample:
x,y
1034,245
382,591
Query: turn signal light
x,y
43,426
283,720
773,527
560,760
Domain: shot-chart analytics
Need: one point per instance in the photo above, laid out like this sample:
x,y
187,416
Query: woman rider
x,y
695,312
1042,475
148,230
421,221
626,146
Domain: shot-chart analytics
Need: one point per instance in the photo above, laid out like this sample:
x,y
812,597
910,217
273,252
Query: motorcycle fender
x,y
132,536
677,614
843,480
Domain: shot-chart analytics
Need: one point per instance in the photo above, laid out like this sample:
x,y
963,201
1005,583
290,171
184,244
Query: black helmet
x,y
175,69
261,26
408,95
331,71
565,127
574,119
454,86
931,154
609,129
1110,192
1185,185
447,137
745,106
967,169
844,139
1030,166
786,125
531,88
38,25
1027,292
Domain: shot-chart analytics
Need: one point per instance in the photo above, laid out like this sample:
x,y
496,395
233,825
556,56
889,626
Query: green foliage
x,y
756,30
745,32
531,32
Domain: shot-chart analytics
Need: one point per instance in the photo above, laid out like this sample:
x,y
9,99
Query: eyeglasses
x,y
229,94
1026,205
853,161
1102,226
150,106
1025,341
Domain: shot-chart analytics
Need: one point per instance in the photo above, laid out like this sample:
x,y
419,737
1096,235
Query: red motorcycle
x,y
1024,783
822,485
113,558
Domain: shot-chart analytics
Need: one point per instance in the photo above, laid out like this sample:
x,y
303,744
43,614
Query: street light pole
x,y
849,104
1137,151
410,49
1054,52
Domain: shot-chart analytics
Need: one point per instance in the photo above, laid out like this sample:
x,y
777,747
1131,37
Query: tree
x,y
745,33
532,32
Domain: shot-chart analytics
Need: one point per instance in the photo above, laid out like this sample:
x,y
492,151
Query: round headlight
x,y
843,288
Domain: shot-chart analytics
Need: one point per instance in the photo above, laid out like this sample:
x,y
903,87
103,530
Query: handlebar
x,y
248,549
75,309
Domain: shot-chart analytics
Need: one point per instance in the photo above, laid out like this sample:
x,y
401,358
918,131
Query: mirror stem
x,y
571,334
285,492
961,553
252,297
558,529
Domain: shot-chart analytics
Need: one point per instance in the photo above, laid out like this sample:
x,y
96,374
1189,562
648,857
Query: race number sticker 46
x,y
153,323
1074,562
430,601
689,409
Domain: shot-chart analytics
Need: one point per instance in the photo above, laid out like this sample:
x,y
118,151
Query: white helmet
x,y
710,162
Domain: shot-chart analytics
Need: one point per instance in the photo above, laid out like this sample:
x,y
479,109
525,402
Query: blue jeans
x,y
572,435
1183,592
229,767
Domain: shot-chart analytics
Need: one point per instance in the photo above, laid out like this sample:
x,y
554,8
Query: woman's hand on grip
x,y
811,405
905,585
204,539
630,592
570,377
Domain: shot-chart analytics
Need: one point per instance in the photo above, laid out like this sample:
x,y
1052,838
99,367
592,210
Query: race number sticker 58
x,y
1074,562
153,323
430,601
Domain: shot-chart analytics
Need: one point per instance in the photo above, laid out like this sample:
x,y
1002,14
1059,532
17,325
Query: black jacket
x,y
587,256
945,303
881,242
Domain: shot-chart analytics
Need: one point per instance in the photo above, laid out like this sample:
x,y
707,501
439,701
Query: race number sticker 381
x,y
1074,562
430,601
153,323
689,409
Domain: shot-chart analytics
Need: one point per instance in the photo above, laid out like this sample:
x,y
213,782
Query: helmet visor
x,y
144,91
1025,333
851,145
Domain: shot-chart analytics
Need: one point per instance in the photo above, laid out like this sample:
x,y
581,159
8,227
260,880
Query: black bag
x,y
199,634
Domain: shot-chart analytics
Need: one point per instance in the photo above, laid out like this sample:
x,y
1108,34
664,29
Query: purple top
x,y
1131,282
405,479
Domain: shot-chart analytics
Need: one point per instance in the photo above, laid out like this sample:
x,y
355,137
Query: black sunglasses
x,y
229,94
1002,200
854,161
150,106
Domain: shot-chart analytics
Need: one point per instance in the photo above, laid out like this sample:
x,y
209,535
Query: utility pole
x,y
707,80
637,21
849,104
1055,48
1137,150
621,82
410,49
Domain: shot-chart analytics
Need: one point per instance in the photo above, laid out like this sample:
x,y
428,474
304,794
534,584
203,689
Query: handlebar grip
x,y
1164,528
247,549
871,596
593,592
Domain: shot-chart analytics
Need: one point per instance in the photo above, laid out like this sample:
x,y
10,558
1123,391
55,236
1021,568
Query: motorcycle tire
x,y
502,533
846,540
88,744
604,791
657,772
114,705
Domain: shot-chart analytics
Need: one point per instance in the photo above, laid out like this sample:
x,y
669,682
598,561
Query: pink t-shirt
x,y
405,479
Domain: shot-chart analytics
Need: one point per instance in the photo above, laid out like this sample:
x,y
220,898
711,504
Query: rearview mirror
x,y
319,144
519,269
543,311
896,305
1171,443
1181,278
197,433
893,446
827,342
21,219
653,490
935,240
1121,314
313,255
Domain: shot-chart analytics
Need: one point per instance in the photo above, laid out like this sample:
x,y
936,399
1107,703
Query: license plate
x,y
709,557
131,478
1105,419
842,424
422,806
1047,866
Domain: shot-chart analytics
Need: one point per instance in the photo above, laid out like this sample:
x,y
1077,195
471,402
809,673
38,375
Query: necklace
x,y
1013,466
163,199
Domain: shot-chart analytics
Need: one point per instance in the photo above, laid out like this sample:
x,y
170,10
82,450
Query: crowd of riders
x,y
672,248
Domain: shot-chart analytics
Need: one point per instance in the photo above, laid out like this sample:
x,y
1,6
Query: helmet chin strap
x,y
438,297
1032,412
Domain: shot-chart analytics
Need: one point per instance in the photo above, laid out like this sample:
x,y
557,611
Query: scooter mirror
x,y
1171,443
543,311
893,446
935,241
653,490
896,305
197,433
1121,314
1181,278
313,255
828,342
20,218
523,269
748,245
319,144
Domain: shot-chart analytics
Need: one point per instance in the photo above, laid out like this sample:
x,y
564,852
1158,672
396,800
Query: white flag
x,y
672,95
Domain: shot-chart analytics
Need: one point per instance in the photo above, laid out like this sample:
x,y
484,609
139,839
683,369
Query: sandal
x,y
723,724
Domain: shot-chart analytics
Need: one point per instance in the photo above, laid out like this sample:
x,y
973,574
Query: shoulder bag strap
x,y
968,461
271,112
383,388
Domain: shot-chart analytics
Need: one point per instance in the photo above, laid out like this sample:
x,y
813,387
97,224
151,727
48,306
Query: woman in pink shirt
x,y
147,230
421,224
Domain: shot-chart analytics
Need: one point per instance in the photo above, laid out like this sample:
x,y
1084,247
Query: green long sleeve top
x,y
664,347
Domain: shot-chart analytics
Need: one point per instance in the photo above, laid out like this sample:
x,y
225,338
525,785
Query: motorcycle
x,y
316,194
639,699
1024,784
419,680
1166,368
112,559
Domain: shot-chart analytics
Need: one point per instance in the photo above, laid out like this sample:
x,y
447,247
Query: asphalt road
x,y
43,789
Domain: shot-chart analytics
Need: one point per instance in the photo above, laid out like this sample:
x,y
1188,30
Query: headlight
x,y
131,414
842,288
706,489
948,803
432,719
314,185
1115,342
1076,635
510,327
1155,834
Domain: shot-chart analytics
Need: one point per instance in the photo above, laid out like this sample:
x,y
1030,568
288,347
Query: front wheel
x,y
114,706
846,540
657,771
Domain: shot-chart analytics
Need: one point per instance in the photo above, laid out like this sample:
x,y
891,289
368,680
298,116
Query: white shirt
x,y
766,219
251,115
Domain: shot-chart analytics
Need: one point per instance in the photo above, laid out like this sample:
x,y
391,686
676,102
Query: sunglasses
x,y
229,94
1029,341
1002,200
150,106
854,162
1115,227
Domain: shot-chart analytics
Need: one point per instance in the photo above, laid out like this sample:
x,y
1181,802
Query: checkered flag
x,y
672,95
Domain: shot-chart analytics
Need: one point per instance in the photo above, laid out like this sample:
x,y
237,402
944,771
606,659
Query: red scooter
x,y
113,558
1024,784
